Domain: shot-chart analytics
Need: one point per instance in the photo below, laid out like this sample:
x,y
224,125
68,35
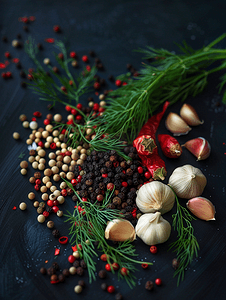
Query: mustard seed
x,y
23,206
16,135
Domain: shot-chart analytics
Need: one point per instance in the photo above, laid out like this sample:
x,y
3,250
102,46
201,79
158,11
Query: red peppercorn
x,y
56,28
64,192
101,109
61,56
115,266
96,85
41,144
158,281
74,111
140,170
104,257
118,82
147,175
124,184
79,178
153,249
8,74
108,267
110,186
84,199
50,203
74,182
88,68
55,202
85,58
45,213
111,289
7,54
96,107
68,108
3,75
37,187
105,175
79,106
52,146
38,181
71,259
63,89
70,122
73,54
46,122
55,208
30,77
116,164
100,198
78,117
124,271
124,83
37,114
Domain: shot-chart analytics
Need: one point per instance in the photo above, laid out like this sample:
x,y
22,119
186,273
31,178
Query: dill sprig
x,y
49,87
186,246
88,226
171,77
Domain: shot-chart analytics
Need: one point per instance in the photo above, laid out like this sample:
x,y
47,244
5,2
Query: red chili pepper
x,y
169,145
2,65
15,60
146,146
14,208
144,266
63,240
54,281
57,251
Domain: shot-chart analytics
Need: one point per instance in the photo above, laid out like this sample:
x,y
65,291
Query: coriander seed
x,y
24,164
31,196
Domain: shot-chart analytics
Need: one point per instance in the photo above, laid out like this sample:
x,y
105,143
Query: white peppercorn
x,y
23,206
41,218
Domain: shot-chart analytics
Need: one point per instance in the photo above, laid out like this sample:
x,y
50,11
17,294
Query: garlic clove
x,y
176,125
202,208
120,230
199,147
189,115
187,182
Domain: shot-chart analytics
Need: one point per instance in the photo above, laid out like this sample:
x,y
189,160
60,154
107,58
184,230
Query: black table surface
x,y
113,29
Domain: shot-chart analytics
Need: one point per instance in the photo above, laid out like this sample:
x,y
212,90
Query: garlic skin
x,y
176,125
199,147
120,230
189,115
152,229
187,182
155,196
202,208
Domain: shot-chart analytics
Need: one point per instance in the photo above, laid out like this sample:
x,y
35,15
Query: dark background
x,y
113,29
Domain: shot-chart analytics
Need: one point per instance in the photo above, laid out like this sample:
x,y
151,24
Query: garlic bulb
x,y
189,115
155,196
153,229
120,230
176,124
187,182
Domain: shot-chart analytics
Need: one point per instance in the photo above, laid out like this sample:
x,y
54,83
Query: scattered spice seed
x,y
149,285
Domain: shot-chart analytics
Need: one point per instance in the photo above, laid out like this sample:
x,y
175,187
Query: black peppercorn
x,y
22,74
43,271
80,271
82,283
102,274
116,201
149,285
118,296
51,271
175,263
61,277
104,286
66,272
83,264
37,175
76,264
56,233
55,266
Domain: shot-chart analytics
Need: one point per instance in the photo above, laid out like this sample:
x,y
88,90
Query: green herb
x,y
21,155
170,77
88,226
49,87
186,246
